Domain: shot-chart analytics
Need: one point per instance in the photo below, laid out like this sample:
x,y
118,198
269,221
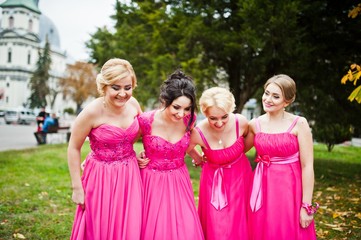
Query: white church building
x,y
23,30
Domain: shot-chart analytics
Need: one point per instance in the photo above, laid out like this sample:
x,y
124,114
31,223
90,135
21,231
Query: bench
x,y
55,134
61,133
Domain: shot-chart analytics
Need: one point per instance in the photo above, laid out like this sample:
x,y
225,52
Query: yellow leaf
x,y
335,215
355,95
338,229
353,66
344,79
354,199
331,225
357,77
332,189
358,68
358,215
18,235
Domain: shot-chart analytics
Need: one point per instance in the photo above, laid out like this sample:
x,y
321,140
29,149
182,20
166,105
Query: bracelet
x,y
194,163
311,208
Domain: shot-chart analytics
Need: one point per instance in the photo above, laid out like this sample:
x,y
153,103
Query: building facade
x,y
23,32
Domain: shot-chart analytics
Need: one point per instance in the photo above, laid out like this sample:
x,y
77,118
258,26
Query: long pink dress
x,y
224,191
277,188
113,187
169,209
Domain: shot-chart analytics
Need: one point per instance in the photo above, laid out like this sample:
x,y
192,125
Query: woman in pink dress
x,y
281,198
109,193
226,175
169,209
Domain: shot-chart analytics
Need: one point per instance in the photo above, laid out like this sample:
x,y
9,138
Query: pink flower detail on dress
x,y
265,159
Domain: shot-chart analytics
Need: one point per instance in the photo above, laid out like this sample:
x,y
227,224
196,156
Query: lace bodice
x,y
110,143
163,155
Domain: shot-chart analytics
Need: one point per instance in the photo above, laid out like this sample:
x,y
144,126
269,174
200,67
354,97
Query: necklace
x,y
220,142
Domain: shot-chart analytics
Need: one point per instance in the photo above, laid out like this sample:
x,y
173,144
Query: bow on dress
x,y
265,160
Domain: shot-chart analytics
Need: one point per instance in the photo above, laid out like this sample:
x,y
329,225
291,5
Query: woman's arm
x,y
80,130
197,158
249,138
305,142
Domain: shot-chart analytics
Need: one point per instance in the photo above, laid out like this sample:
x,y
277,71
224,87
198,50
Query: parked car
x,y
2,113
21,116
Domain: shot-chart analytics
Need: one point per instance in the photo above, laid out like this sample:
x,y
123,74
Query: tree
x,y
38,84
319,95
79,83
240,44
234,43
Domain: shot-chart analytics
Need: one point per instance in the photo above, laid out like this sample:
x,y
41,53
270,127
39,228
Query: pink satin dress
x,y
276,195
113,187
169,209
224,191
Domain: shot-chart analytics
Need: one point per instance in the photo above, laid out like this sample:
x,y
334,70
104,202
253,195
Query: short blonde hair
x,y
286,84
112,71
217,97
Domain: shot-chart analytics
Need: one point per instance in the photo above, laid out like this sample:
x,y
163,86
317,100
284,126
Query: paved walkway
x,y
13,136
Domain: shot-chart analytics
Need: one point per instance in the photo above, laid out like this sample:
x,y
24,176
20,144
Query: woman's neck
x,y
276,116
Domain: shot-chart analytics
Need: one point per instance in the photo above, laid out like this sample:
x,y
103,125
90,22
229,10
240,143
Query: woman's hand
x,y
305,219
78,197
199,161
142,160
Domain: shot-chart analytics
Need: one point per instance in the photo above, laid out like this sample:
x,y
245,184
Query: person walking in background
x,y
281,198
169,210
40,118
109,193
226,174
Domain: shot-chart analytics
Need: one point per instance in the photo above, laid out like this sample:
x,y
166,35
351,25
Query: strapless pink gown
x,y
224,191
169,211
277,188
113,187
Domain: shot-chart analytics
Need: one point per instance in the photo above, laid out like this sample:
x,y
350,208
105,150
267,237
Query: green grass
x,y
35,194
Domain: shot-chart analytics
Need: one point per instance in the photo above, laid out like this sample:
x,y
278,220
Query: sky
x,y
76,20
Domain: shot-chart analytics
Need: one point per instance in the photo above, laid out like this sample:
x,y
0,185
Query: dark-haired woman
x,y
169,210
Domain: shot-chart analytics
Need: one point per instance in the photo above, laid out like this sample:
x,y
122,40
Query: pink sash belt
x,y
265,160
219,196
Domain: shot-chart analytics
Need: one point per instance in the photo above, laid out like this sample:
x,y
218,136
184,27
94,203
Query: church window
x,y
11,22
30,25
29,58
9,55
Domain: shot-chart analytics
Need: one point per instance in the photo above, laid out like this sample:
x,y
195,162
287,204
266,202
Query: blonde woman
x,y
281,199
225,177
109,192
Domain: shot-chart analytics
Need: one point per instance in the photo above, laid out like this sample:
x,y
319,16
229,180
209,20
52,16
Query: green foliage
x,y
332,134
39,81
69,110
238,43
318,79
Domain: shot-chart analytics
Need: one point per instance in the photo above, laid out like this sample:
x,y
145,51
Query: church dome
x,y
48,28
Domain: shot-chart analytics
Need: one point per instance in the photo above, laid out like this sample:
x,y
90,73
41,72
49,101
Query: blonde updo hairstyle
x,y
217,97
112,71
286,84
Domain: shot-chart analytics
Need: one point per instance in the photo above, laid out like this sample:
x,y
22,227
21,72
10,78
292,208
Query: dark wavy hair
x,y
178,84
